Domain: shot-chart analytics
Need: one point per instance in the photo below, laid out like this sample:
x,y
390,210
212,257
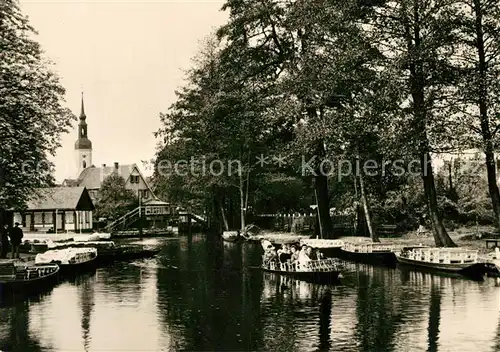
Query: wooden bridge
x,y
156,213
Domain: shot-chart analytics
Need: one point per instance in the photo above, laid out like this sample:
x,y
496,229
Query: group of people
x,y
289,253
10,237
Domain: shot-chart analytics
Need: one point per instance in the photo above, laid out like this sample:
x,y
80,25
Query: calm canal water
x,y
202,297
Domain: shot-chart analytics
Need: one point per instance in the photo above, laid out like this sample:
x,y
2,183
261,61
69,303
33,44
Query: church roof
x,y
92,177
62,198
83,143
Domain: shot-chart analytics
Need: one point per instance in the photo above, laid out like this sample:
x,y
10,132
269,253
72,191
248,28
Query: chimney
x,y
116,165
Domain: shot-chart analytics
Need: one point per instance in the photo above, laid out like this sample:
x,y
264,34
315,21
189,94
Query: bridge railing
x,y
124,220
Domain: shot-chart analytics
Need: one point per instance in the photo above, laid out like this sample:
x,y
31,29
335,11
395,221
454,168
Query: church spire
x,y
83,146
82,113
83,141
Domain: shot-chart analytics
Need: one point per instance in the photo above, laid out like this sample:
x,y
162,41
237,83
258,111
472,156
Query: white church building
x,y
70,206
91,176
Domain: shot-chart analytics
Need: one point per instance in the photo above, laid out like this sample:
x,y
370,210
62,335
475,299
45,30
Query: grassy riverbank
x,y
468,237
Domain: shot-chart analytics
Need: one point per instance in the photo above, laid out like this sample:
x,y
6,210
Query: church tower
x,y
83,146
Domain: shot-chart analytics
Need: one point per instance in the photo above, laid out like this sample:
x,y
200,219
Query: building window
x,y
134,179
145,194
84,164
39,219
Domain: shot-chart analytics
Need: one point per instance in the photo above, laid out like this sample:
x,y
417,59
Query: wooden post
x,y
75,222
63,220
54,221
140,214
189,224
32,221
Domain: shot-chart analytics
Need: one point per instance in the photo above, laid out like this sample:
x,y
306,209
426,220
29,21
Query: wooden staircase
x,y
125,221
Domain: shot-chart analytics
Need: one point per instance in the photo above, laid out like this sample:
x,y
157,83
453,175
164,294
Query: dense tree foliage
x,y
353,100
478,57
113,198
32,115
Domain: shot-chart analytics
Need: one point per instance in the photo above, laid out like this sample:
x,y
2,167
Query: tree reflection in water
x,y
202,300
325,319
122,280
378,315
434,318
16,336
207,297
86,301
210,299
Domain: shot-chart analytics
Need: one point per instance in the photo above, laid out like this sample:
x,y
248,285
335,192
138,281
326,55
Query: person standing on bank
x,y
16,236
4,241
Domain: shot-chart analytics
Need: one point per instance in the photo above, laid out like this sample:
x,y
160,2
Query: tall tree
x,y
417,38
218,117
478,56
32,115
302,47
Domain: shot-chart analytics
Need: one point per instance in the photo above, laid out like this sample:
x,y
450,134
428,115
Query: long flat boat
x,y
494,262
70,260
369,253
319,271
106,250
233,236
24,279
452,260
329,248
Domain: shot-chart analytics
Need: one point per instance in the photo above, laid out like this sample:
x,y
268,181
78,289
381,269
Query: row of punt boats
x,y
462,261
63,261
19,277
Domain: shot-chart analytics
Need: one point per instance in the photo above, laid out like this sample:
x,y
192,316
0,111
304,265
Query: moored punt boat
x,y
320,271
233,236
452,260
70,260
369,252
494,262
106,250
329,248
276,238
96,236
24,279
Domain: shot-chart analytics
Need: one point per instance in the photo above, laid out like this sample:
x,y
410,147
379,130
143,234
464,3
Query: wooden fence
x,y
297,222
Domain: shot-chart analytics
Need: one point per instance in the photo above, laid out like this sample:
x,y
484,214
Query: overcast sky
x,y
128,57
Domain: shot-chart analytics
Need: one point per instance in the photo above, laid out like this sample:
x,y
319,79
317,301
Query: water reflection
x,y
86,302
206,296
434,318
14,329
